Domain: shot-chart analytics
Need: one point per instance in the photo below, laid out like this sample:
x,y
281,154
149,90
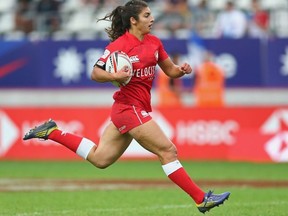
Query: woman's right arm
x,y
100,75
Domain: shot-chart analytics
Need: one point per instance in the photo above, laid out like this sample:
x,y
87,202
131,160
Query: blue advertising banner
x,y
277,63
240,60
18,64
68,64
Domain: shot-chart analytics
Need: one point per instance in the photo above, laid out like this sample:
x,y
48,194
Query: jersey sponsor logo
x,y
144,72
134,59
106,54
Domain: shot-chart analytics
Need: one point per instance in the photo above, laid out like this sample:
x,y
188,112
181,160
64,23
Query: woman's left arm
x,y
174,71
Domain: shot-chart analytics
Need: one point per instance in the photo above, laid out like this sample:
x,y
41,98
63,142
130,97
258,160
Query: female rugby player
x,y
130,118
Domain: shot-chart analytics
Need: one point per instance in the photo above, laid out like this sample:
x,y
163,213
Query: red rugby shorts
x,y
126,117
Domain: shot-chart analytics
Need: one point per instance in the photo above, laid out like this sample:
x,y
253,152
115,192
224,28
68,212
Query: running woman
x,y
130,118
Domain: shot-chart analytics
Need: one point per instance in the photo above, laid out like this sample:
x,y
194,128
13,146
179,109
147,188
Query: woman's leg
x,y
111,146
152,138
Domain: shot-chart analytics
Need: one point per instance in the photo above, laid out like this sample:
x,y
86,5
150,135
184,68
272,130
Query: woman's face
x,y
144,24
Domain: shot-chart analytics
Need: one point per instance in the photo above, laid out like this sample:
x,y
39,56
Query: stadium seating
x,y
80,21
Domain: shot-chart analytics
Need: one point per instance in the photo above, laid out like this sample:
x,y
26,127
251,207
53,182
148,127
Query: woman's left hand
x,y
186,68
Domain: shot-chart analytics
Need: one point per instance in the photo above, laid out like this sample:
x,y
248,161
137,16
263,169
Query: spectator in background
x,y
230,23
202,19
83,18
258,21
176,15
48,16
169,89
24,16
108,3
209,83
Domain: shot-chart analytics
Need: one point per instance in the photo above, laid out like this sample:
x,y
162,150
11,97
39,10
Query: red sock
x,y
71,141
80,145
179,176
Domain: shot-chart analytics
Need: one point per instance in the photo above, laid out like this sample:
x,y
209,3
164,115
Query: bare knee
x,y
100,164
168,154
97,160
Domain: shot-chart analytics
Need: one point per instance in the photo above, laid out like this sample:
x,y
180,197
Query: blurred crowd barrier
x,y
68,64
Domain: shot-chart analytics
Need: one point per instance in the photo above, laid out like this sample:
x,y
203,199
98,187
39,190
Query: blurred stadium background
x,y
48,48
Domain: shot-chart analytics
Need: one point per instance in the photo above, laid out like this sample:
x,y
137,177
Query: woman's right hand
x,y
123,75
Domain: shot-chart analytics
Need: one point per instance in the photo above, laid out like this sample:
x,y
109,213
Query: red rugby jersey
x,y
144,56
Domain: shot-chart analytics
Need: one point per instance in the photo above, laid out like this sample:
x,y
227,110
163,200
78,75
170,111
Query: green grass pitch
x,y
152,201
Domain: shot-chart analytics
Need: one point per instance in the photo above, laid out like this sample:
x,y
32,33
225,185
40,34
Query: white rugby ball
x,y
115,62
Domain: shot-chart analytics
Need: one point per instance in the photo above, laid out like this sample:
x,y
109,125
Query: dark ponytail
x,y
120,18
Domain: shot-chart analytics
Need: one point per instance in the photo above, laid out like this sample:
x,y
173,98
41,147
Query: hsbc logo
x,y
277,126
9,133
203,132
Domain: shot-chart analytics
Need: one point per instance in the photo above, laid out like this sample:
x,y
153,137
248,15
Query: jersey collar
x,y
134,38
